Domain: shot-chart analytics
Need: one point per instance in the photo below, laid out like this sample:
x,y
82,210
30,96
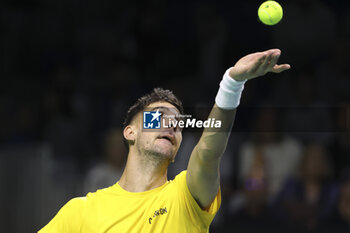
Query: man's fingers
x,y
267,59
280,68
274,59
270,61
259,62
262,58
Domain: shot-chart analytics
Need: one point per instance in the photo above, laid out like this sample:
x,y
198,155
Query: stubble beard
x,y
153,157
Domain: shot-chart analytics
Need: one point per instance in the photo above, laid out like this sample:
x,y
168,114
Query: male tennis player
x,y
143,200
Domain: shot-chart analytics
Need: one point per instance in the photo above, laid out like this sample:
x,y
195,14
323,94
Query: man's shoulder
x,y
76,201
89,200
73,207
100,193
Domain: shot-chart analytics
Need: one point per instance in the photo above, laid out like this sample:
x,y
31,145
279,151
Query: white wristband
x,y
229,93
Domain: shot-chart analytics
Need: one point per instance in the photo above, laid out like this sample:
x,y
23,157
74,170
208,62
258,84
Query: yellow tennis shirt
x,y
168,208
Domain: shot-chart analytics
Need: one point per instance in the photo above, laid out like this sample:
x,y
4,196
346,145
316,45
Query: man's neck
x,y
142,173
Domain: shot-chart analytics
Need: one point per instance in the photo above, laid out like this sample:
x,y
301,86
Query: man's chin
x,y
166,154
163,153
165,149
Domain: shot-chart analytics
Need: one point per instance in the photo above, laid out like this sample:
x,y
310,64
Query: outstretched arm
x,y
203,175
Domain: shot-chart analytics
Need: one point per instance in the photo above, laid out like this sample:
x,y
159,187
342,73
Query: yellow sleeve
x,y
68,219
196,213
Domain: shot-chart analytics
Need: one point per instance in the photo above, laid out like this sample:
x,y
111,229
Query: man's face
x,y
162,143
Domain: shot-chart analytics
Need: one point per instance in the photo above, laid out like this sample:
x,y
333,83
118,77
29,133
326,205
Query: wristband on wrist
x,y
229,93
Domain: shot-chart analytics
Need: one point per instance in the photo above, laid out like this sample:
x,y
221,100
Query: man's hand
x,y
257,64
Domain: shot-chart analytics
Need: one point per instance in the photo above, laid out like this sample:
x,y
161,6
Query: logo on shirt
x,y
161,211
151,120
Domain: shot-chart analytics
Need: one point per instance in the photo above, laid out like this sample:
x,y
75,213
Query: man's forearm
x,y
213,141
203,175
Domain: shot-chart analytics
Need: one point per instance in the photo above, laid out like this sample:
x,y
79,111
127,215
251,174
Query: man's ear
x,y
130,133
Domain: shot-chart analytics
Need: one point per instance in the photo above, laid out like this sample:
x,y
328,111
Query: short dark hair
x,y
156,95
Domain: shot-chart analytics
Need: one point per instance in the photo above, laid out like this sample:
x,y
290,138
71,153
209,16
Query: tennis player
x,y
143,200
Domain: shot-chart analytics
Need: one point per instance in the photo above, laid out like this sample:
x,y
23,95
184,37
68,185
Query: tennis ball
x,y
270,12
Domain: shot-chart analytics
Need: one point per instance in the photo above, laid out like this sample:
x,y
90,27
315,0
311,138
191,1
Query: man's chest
x,y
132,215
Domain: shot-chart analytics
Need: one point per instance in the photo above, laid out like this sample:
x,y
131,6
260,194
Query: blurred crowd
x,y
71,69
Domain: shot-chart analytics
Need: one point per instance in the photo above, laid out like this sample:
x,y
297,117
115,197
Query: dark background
x,y
70,69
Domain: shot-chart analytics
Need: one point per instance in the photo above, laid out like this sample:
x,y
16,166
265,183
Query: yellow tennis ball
x,y
270,12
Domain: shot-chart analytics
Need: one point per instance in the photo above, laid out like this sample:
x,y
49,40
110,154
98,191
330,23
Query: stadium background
x,y
70,69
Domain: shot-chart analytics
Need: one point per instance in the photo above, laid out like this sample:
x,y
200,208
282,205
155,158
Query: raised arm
x,y
203,175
